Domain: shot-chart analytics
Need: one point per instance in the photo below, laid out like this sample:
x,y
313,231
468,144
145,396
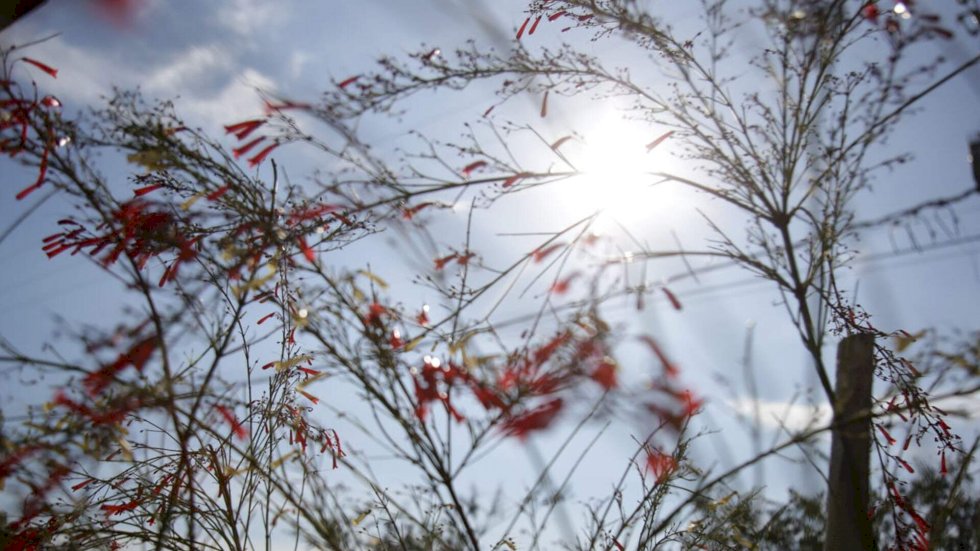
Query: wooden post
x,y
848,525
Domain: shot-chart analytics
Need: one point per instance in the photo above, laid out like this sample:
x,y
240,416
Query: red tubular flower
x,y
887,436
163,482
545,352
311,212
487,397
536,419
409,212
669,368
187,252
660,464
375,311
870,12
41,174
605,374
119,13
395,340
243,129
46,68
216,194
921,542
545,384
309,396
285,105
690,403
347,82
261,155
265,318
534,26
920,522
118,509
429,383
468,169
426,390
307,251
298,435
342,218
540,254
109,417
230,418
50,101
561,286
942,463
423,316
464,258
340,449
440,263
82,484
897,497
336,449
520,32
139,192
245,148
672,298
15,458
660,139
137,356
515,178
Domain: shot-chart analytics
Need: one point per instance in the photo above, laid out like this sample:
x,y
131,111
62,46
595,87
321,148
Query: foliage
x,y
949,504
190,421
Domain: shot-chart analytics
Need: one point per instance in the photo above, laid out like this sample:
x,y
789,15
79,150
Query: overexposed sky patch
x,y
781,415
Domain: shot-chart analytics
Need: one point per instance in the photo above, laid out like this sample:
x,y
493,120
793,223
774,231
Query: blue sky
x,y
212,55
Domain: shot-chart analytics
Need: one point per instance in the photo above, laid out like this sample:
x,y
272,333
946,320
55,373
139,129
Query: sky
x,y
211,56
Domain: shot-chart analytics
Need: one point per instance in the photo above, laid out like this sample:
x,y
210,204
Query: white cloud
x,y
298,61
236,101
782,415
194,75
186,68
82,75
247,17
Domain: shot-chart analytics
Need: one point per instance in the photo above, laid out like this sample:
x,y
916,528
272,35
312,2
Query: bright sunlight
x,y
616,158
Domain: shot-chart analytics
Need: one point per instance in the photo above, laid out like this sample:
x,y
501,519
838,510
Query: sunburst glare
x,y
616,159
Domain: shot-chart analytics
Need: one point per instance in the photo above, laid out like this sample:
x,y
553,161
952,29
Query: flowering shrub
x,y
203,417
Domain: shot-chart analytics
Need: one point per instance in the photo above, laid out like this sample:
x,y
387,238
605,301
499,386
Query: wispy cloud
x,y
247,17
782,415
237,100
188,68
209,86
81,73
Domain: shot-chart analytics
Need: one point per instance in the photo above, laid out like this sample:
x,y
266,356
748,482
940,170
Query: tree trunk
x,y
848,525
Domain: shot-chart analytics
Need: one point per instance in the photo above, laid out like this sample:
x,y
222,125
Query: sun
x,y
618,172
